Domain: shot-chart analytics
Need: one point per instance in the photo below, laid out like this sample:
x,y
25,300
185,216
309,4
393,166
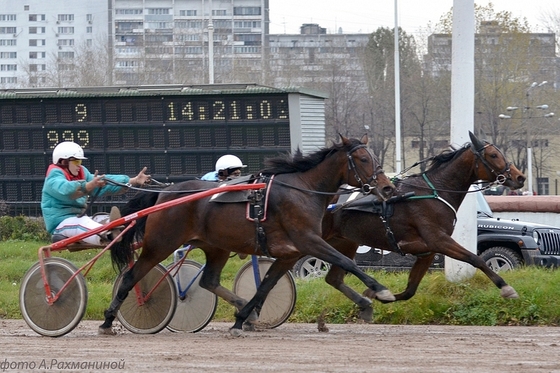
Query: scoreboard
x,y
178,132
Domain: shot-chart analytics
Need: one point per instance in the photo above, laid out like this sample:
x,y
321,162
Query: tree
x,y
379,68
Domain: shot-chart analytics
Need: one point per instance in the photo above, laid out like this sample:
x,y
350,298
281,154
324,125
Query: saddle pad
x,y
237,196
369,203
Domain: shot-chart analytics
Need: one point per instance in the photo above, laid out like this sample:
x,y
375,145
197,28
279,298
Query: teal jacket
x,y
63,194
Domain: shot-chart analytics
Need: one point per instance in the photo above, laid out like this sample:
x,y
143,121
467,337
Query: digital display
x,y
177,137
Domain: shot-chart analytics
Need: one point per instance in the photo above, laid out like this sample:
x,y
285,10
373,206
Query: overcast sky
x,y
365,16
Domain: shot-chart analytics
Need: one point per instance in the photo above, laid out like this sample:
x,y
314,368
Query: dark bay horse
x,y
423,226
298,192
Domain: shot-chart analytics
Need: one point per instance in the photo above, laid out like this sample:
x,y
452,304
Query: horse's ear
x,y
344,140
364,139
477,144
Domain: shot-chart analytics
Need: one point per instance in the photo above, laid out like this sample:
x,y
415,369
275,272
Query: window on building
x,y
89,29
65,55
89,42
8,80
543,187
65,17
36,30
158,10
8,30
7,55
34,80
247,24
89,17
247,10
188,12
8,42
129,11
219,12
7,17
65,42
36,67
8,67
65,30
37,42
65,67
37,17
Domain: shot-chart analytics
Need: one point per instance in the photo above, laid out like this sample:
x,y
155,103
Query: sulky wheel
x,y
197,307
279,303
62,316
155,312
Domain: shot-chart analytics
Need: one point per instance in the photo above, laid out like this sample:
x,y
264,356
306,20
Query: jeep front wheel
x,y
501,259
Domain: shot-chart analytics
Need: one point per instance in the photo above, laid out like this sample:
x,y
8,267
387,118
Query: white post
x,y
398,151
530,169
462,121
210,46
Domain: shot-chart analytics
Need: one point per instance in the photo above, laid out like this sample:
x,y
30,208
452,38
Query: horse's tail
x,y
122,252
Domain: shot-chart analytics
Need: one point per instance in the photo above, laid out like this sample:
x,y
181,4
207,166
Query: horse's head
x,y
496,166
365,170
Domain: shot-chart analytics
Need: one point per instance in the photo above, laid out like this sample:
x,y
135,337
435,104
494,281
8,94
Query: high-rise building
x,y
139,41
39,39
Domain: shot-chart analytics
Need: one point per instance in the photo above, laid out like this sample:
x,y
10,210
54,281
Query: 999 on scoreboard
x,y
178,135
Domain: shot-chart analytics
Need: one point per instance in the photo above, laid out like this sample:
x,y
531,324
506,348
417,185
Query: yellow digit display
x,y
81,112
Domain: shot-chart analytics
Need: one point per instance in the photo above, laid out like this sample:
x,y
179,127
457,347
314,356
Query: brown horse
x,y
422,226
298,192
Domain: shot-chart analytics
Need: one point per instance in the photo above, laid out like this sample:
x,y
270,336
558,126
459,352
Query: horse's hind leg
x,y
335,278
274,273
130,278
216,259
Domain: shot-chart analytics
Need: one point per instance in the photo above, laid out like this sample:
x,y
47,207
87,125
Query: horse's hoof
x,y
248,327
106,331
366,314
508,292
236,332
385,295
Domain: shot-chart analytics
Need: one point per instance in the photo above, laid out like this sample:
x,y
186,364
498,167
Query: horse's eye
x,y
494,155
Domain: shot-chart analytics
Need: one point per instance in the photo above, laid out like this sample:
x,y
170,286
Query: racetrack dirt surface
x,y
288,348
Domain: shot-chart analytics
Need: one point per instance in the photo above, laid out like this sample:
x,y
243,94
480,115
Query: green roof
x,y
155,90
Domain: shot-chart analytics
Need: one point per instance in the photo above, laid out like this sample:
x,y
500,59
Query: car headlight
x,y
536,236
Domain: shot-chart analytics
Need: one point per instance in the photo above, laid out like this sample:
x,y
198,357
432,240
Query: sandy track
x,y
289,348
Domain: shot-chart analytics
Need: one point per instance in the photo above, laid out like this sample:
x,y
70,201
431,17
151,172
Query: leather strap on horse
x,y
260,236
388,232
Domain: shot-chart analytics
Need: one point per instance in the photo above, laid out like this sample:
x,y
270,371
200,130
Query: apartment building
x,y
38,38
145,41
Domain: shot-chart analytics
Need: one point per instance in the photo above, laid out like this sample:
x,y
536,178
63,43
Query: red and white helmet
x,y
67,150
228,161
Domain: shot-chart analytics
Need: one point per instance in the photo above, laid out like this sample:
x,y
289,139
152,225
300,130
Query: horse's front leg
x,y
448,246
335,278
274,273
317,247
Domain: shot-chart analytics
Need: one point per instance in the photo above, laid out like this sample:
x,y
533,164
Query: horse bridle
x,y
500,177
377,169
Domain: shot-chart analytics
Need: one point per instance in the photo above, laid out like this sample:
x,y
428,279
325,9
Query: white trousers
x,y
76,225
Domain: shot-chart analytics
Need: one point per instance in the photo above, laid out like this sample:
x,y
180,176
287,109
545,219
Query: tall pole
x,y
210,46
462,121
398,151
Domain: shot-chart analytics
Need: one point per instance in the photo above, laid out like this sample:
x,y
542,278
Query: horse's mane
x,y
446,156
297,162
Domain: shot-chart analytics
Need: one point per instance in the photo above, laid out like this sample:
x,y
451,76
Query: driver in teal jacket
x,y
66,189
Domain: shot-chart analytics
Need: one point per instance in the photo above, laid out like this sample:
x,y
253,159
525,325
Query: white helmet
x,y
228,161
66,150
